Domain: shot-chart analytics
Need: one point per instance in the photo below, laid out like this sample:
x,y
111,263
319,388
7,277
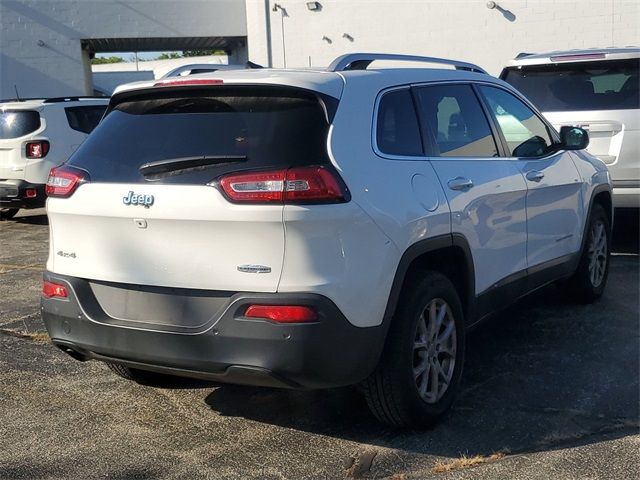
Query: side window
x,y
84,119
456,121
526,135
397,130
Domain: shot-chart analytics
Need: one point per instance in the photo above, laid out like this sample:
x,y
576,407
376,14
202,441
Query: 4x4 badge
x,y
138,199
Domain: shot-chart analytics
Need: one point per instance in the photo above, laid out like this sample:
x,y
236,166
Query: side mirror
x,y
573,138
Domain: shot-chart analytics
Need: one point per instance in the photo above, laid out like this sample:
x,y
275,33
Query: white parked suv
x,y
311,229
35,136
598,90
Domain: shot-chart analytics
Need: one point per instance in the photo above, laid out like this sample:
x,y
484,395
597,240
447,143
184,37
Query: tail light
x,y
295,185
37,149
50,290
63,181
282,313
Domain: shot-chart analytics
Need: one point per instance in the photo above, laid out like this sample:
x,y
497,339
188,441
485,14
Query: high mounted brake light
x,y
295,185
63,181
192,81
578,56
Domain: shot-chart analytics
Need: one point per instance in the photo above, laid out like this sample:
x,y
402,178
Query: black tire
x,y
581,283
144,377
392,391
8,213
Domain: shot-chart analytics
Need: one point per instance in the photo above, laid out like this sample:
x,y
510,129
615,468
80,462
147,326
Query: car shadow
x,y
32,219
542,375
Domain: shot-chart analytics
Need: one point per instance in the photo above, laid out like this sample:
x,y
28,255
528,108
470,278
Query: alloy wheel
x,y
434,350
597,253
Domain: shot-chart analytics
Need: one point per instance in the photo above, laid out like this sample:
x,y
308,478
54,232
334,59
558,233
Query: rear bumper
x,y
13,194
626,194
230,348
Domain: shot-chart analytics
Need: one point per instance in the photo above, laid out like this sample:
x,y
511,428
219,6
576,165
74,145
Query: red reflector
x,y
31,193
63,181
282,313
192,81
296,185
37,149
50,290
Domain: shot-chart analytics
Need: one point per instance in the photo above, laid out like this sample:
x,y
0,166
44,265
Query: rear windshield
x,y
606,85
18,123
84,119
242,128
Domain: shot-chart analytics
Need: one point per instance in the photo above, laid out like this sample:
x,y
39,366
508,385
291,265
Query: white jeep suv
x,y
598,90
35,136
312,229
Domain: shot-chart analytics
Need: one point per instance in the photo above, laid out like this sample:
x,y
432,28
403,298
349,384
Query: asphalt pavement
x,y
550,390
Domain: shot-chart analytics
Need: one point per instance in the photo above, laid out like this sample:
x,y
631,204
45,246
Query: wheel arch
x,y
448,254
603,197
600,195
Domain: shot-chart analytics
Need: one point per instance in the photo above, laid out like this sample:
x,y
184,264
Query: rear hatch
x,y
150,210
600,96
17,125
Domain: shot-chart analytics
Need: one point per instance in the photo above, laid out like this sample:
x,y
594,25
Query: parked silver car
x,y
597,90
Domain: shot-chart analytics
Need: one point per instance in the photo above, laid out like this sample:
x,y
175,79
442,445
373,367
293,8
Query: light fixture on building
x,y
327,39
276,7
348,37
41,43
491,5
314,6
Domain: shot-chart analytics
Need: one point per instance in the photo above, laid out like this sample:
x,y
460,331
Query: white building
x,y
45,46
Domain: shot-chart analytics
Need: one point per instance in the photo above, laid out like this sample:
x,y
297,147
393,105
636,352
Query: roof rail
x,y
360,61
73,99
16,100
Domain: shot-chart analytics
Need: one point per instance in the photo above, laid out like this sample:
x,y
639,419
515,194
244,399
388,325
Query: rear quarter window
x,y
18,123
397,128
84,119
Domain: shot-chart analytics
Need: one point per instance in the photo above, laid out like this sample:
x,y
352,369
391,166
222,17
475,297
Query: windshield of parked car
x,y
605,85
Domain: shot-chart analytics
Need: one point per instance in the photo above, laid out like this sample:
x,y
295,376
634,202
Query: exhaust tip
x,y
72,351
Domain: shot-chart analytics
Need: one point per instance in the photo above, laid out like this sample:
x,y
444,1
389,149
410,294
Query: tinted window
x,y
608,85
397,130
525,133
18,123
456,121
250,126
84,119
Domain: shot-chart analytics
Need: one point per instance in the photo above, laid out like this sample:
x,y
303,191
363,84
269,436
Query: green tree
x,y
168,56
201,53
102,60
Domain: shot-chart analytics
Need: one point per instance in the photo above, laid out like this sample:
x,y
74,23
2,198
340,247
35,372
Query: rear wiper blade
x,y
175,165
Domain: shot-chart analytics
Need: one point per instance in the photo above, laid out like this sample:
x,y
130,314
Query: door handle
x,y
535,175
460,183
